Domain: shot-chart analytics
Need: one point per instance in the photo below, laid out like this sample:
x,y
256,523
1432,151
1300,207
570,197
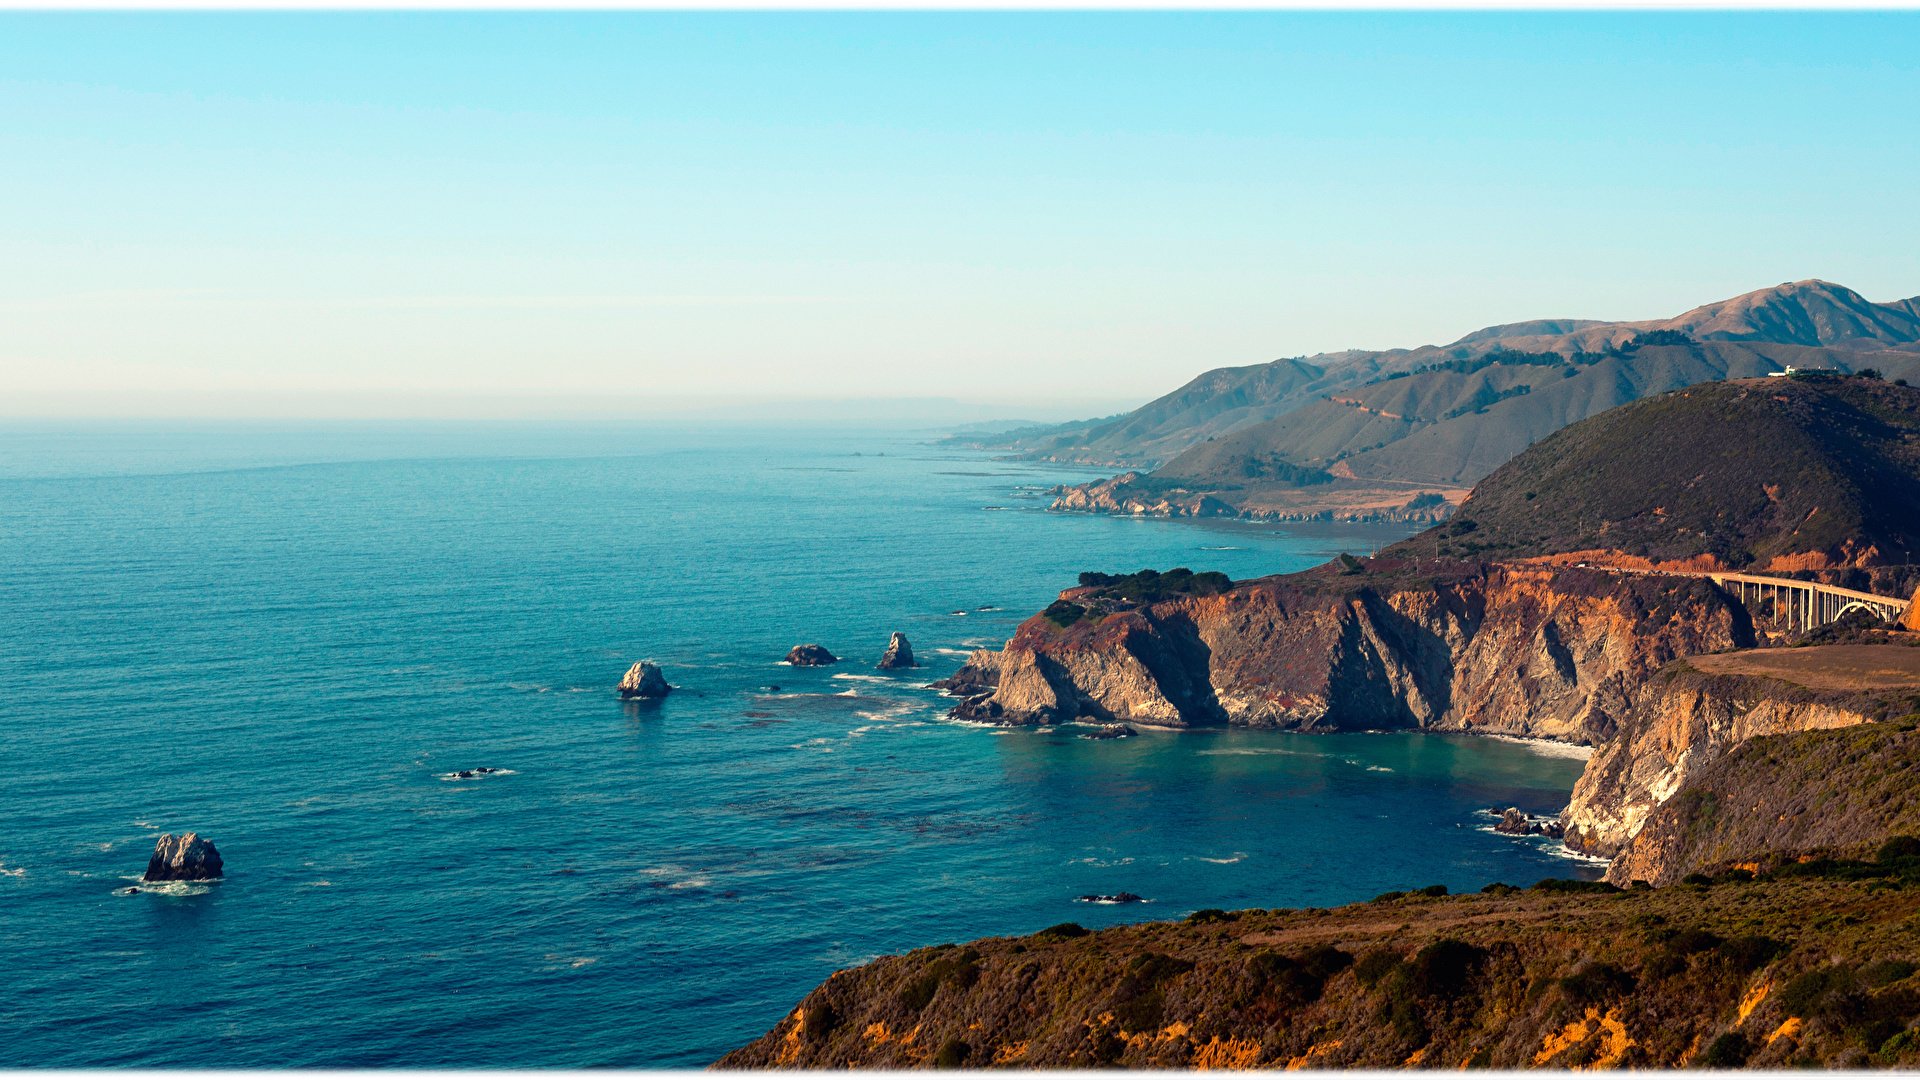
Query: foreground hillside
x,y
1813,966
1383,436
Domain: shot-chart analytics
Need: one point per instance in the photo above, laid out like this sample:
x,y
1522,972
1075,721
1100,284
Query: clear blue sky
x,y
381,214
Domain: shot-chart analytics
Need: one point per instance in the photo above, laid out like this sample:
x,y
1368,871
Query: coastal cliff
x,y
1548,653
1686,722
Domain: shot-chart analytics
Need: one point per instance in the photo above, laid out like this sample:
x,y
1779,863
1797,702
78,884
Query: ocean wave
x,y
1545,747
675,876
1229,860
529,688
322,883
1378,768
942,650
1222,547
1097,861
558,961
862,678
163,888
1253,751
12,871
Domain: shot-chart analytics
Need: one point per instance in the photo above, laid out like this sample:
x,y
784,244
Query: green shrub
x,y
1595,983
952,1054
1443,968
1152,586
1499,888
1375,965
1432,890
820,1022
1064,930
1820,992
1572,885
1898,847
959,970
1210,915
1729,1051
1296,981
1064,613
1751,952
1690,941
1139,999
1882,972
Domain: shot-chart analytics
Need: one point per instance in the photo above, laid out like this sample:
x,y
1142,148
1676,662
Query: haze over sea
x,y
288,638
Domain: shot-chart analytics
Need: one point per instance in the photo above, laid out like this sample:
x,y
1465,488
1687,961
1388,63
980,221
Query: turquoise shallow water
x,y
201,632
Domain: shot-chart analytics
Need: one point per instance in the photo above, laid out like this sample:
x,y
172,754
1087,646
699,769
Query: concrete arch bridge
x,y
1798,606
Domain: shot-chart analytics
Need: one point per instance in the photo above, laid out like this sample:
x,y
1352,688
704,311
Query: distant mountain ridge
x,y
1401,435
1839,326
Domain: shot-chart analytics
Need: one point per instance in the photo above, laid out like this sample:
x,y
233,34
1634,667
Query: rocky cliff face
x,y
1553,653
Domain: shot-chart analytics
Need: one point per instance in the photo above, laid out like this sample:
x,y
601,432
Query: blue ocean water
x,y
287,638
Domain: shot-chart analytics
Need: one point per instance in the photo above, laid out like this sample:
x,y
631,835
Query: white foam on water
x,y
944,651
323,883
849,692
1378,768
1096,861
162,888
862,678
1253,751
1229,860
455,777
12,871
1545,747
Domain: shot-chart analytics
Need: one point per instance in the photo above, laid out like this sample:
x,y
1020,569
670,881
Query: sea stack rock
x,y
899,654
644,681
810,656
183,858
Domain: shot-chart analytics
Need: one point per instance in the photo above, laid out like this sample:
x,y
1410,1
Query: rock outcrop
x,y
1544,652
1699,713
643,680
1517,822
810,656
191,857
1680,728
1777,800
899,654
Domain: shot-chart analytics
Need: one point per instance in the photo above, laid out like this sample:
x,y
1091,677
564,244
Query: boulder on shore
x,y
191,857
1111,731
644,680
810,656
899,654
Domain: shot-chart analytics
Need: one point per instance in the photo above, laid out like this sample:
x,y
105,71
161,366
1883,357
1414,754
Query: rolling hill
x,y
1779,473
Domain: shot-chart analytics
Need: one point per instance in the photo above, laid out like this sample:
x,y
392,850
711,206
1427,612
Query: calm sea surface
x,y
287,638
